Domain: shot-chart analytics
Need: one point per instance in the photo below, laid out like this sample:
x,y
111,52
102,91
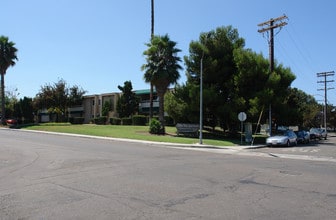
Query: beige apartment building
x,y
93,105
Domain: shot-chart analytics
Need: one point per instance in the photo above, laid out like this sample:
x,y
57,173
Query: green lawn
x,y
129,132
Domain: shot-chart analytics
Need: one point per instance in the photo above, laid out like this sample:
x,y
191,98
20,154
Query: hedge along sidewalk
x,y
126,132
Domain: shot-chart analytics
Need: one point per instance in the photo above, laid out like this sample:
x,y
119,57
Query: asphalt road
x,y
47,176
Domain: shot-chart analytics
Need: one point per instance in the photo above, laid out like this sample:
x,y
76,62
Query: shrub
x,y
126,121
139,120
115,121
28,121
155,127
76,120
100,120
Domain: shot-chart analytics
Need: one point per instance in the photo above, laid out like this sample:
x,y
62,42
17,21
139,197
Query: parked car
x,y
323,133
11,121
282,138
303,137
314,134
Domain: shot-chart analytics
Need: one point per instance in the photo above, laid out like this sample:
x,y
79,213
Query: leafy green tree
x,y
234,79
128,103
219,93
7,58
75,95
106,108
11,100
297,108
162,68
57,98
256,87
175,107
24,110
331,116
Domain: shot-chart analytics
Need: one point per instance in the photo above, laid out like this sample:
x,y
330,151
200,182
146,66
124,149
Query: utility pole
x,y
266,26
325,89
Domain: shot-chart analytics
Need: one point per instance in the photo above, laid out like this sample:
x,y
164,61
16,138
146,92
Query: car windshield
x,y
281,133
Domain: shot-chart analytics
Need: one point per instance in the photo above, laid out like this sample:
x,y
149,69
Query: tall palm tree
x,y
7,59
162,67
152,18
151,85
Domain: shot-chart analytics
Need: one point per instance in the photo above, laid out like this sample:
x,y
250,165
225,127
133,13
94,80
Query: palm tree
x,y
152,18
151,85
162,68
7,59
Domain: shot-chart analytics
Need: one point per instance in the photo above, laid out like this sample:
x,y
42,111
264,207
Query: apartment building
x,y
93,104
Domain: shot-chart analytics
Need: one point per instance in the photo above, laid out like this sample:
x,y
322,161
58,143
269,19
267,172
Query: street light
x,y
201,101
201,91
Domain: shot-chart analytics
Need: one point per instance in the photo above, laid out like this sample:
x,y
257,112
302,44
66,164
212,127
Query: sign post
x,y
242,117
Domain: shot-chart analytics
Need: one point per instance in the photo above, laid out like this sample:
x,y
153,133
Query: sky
x,y
99,44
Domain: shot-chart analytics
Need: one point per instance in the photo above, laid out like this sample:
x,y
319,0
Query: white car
x,y
282,138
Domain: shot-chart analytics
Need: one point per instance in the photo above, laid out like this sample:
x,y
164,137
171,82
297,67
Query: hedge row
x,y
135,120
76,120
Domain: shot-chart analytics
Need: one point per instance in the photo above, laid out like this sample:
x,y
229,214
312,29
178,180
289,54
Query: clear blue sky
x,y
98,44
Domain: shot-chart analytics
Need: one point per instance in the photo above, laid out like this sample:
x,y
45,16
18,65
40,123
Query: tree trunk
x,y
151,102
161,92
151,84
3,109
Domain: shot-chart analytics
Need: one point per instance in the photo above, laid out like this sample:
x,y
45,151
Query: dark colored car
x,y
303,137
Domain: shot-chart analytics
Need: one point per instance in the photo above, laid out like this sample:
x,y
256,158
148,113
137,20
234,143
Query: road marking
x,y
302,150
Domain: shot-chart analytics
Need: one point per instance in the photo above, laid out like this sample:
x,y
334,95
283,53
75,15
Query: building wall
x,y
93,105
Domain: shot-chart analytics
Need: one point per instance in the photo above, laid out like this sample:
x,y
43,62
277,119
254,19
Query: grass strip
x,y
128,132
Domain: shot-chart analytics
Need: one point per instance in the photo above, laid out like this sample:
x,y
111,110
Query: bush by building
x,y
139,120
115,121
76,120
100,120
126,121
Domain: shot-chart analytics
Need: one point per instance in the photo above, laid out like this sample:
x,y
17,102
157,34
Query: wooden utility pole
x,y
325,89
266,26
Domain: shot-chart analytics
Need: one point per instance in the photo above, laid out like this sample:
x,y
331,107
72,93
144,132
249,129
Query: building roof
x,y
143,91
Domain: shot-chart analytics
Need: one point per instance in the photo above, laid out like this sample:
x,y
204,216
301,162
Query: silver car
x,y
282,138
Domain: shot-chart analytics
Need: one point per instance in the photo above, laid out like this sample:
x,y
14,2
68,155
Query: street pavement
x,y
58,176
316,150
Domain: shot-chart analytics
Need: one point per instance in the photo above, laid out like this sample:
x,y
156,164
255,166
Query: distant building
x,y
144,101
93,104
